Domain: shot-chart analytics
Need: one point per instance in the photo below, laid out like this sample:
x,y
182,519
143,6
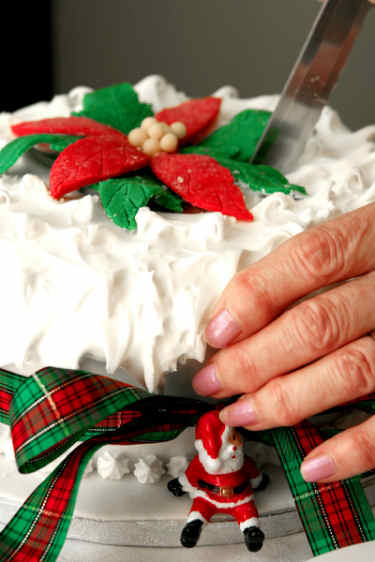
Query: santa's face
x,y
231,456
231,452
235,438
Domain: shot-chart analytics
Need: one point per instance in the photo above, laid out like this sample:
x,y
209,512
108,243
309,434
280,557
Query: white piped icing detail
x,y
177,466
112,467
149,470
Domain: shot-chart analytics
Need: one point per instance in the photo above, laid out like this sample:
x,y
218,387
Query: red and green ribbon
x,y
54,409
49,412
333,515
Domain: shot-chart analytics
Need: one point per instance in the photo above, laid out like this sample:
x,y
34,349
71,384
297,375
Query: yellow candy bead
x,y
148,122
137,136
179,129
151,147
156,131
169,142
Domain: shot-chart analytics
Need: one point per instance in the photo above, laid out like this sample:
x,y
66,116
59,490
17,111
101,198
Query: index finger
x,y
327,253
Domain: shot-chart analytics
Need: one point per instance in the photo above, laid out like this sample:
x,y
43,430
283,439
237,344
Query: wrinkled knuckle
x,y
283,409
256,288
363,445
236,370
316,326
355,372
319,254
246,371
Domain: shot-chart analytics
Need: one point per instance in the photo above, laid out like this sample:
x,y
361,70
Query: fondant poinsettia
x,y
94,149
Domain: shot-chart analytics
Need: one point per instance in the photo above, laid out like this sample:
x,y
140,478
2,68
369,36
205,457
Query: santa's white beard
x,y
230,459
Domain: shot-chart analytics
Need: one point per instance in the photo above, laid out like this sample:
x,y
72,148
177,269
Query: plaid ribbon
x,y
54,408
49,412
333,515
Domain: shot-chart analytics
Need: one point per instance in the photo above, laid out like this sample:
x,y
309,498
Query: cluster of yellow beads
x,y
154,136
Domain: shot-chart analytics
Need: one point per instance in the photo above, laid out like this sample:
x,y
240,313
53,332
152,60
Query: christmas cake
x,y
139,298
123,215
134,293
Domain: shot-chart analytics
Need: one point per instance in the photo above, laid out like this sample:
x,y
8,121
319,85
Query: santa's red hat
x,y
209,438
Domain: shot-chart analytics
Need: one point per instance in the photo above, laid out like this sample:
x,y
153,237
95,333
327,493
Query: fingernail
x,y
239,413
205,382
222,329
318,468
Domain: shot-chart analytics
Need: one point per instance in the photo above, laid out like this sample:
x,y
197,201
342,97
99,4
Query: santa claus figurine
x,y
220,479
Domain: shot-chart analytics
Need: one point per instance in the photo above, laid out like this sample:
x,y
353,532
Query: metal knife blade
x,y
310,83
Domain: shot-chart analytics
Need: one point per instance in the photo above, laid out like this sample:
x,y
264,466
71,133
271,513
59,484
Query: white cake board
x,y
126,513
289,549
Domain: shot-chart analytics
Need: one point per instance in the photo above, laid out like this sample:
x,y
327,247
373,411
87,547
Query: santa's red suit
x,y
220,479
229,493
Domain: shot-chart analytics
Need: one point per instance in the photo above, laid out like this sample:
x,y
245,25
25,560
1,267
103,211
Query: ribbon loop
x,y
54,408
9,383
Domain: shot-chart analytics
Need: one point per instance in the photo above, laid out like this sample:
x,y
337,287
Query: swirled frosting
x,y
73,284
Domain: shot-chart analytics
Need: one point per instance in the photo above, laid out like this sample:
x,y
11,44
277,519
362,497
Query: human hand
x,y
291,363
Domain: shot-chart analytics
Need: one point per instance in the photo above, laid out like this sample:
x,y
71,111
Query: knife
x,y
310,83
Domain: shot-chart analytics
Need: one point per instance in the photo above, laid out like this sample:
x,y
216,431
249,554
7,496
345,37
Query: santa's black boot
x,y
191,533
175,487
254,538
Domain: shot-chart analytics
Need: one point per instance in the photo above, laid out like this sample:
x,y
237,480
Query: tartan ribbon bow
x,y
51,410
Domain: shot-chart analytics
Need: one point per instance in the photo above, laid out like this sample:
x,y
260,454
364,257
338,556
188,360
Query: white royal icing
x,y
111,466
73,284
149,470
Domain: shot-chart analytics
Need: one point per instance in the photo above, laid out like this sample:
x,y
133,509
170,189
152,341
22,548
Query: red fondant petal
x,y
93,159
197,115
201,181
64,125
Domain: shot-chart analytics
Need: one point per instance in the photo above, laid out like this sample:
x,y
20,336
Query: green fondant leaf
x,y
240,137
169,201
10,153
122,198
117,106
275,177
256,177
205,151
261,177
62,142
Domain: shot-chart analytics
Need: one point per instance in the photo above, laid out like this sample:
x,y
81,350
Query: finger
x,y
347,454
330,252
344,375
310,330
